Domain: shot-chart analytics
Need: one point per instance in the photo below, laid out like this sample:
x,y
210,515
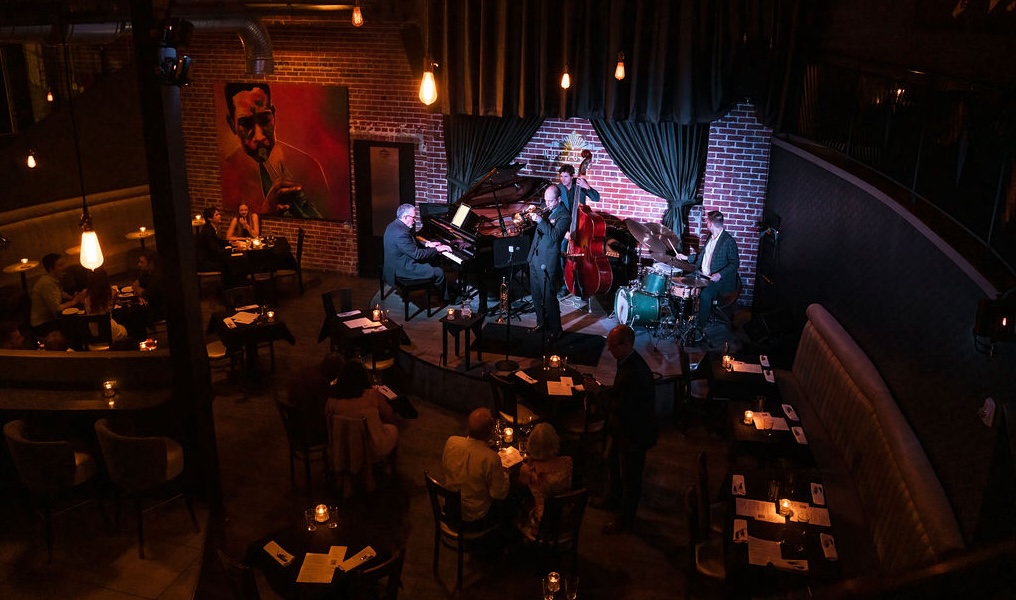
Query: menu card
x,y
363,322
764,552
820,517
558,388
745,367
509,457
316,568
244,318
760,510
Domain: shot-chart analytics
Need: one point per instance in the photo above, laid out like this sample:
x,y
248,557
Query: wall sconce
x,y
428,87
565,79
357,15
619,71
30,161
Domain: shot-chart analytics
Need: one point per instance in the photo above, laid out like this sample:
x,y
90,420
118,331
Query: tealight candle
x,y
112,403
451,314
256,243
377,312
321,513
24,261
271,315
509,435
197,217
749,417
555,361
553,581
785,507
108,387
142,229
728,362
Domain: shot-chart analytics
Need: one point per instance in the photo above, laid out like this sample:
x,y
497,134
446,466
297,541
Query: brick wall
x,y
383,106
737,171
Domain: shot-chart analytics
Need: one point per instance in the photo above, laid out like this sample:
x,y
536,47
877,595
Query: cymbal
x,y
665,234
695,281
673,261
645,236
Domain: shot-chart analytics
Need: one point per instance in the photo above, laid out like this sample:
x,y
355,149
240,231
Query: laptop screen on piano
x,y
460,215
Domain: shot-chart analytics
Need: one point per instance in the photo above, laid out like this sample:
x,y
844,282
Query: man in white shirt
x,y
718,261
473,469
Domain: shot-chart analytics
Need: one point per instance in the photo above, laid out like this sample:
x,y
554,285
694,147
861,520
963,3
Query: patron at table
x,y
473,469
148,285
99,300
351,394
49,298
244,225
544,473
212,253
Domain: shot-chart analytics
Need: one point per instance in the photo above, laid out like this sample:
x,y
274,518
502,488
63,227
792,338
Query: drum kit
x,y
665,296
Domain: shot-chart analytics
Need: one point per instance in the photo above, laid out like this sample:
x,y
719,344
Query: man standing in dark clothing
x,y
544,262
631,420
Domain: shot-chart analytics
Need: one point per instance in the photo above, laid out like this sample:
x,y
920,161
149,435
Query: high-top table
x,y
22,267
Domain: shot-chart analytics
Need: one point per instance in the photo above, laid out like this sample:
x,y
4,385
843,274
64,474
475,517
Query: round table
x,y
196,223
141,235
73,250
22,267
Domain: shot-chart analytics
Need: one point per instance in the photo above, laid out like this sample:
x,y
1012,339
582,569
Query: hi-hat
x,y
645,236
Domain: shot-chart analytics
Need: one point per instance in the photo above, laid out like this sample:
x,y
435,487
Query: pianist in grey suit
x,y
544,262
406,258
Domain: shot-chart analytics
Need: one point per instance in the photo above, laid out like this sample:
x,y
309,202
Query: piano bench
x,y
406,287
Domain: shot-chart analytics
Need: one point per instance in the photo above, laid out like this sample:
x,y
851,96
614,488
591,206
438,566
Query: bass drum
x,y
633,307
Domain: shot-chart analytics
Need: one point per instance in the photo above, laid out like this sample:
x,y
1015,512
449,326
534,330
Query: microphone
x,y
543,267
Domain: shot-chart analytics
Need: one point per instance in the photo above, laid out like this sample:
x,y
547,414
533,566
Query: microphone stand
x,y
507,364
545,289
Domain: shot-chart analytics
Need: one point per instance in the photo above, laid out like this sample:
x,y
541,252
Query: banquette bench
x,y
884,496
35,231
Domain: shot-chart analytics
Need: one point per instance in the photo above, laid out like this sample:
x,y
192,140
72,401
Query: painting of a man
x,y
277,178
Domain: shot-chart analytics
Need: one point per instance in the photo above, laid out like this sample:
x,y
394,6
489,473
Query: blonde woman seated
x,y
545,474
99,300
244,225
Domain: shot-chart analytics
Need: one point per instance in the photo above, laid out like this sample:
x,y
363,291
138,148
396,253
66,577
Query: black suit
x,y
631,414
546,252
211,249
406,259
725,261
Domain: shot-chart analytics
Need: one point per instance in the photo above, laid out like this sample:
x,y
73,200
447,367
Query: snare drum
x,y
633,307
653,282
680,290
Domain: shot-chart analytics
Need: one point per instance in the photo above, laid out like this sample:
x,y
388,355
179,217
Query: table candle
x,y
451,314
321,513
728,362
749,417
785,507
271,315
112,403
108,388
142,229
555,361
377,312
256,243
509,435
553,581
24,261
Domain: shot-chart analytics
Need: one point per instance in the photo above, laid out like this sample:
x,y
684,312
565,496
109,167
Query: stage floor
x,y
591,318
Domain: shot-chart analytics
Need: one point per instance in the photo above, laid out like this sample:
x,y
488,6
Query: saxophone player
x,y
545,264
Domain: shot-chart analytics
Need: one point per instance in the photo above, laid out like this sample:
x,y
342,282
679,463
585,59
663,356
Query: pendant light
x,y
91,252
565,79
428,87
357,15
31,160
619,71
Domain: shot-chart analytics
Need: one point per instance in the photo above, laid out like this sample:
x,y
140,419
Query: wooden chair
x,y
298,270
96,332
705,553
504,392
334,302
236,297
584,430
561,523
306,442
140,466
380,582
446,507
357,444
239,577
47,469
212,278
712,514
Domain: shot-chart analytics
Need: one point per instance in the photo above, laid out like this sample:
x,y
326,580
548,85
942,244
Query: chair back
x,y
43,467
505,396
696,527
334,302
134,463
239,577
301,432
96,331
369,581
702,493
445,505
238,296
299,247
562,519
354,441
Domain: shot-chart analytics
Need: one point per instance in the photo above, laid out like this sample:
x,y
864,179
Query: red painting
x,y
284,149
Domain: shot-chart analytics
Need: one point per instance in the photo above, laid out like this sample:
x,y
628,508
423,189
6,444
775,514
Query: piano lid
x,y
503,185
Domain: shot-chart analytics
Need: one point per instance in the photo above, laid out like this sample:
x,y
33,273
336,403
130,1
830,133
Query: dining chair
x,y
140,467
306,441
705,552
446,507
212,279
358,443
238,296
334,302
560,525
382,581
504,392
243,585
96,332
712,513
48,469
584,431
297,271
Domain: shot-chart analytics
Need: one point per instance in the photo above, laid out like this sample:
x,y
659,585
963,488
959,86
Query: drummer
x,y
718,261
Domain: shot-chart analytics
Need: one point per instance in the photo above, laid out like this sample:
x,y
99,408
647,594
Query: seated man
x,y
407,259
148,285
49,298
718,261
473,469
211,250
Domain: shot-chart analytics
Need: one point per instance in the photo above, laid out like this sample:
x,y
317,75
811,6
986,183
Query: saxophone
x,y
503,307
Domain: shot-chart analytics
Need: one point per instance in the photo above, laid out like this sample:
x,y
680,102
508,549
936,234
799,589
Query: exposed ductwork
x,y
257,46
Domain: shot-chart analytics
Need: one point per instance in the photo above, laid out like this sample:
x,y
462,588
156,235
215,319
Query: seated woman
x,y
545,474
99,300
352,395
244,225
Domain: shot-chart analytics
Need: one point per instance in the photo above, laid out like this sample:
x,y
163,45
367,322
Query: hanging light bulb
x,y
31,160
619,71
357,15
565,78
91,252
49,95
428,87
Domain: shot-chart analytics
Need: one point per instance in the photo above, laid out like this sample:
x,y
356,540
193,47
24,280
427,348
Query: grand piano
x,y
485,242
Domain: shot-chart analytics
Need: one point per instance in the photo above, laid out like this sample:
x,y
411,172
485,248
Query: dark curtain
x,y
474,145
506,57
664,159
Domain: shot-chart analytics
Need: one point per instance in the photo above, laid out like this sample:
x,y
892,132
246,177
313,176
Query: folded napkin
x,y
790,412
799,435
522,375
737,485
740,530
828,546
818,494
769,375
763,360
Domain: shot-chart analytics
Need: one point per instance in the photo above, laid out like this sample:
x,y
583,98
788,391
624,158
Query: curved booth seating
x,y
140,466
47,468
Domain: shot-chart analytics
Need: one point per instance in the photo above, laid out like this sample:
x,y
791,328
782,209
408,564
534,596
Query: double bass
x,y
586,269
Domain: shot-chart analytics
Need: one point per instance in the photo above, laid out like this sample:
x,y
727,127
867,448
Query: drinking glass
x,y
333,513
774,490
571,587
308,518
760,403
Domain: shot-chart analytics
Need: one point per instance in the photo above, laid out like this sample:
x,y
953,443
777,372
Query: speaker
x,y
512,251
